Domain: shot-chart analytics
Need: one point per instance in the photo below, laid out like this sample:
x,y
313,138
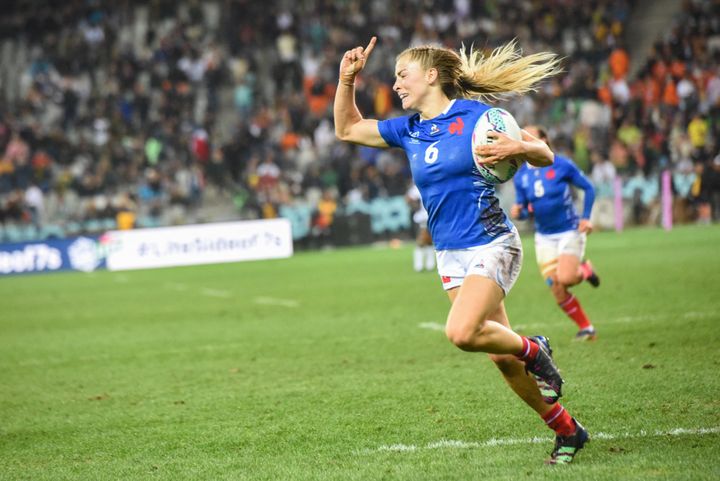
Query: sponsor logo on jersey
x,y
434,129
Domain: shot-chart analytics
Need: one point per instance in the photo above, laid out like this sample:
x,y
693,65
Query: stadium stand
x,y
140,114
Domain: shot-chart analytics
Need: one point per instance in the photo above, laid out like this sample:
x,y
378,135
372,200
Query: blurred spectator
x,y
603,175
126,216
181,105
35,202
268,173
324,216
711,187
682,181
619,62
697,132
152,193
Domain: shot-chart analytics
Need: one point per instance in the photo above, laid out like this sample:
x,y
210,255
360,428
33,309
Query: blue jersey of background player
x,y
463,210
547,190
560,234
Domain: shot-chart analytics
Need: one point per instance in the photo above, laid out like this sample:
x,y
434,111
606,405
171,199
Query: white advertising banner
x,y
198,244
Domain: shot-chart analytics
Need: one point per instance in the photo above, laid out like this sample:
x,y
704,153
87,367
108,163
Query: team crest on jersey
x,y
434,129
456,127
550,174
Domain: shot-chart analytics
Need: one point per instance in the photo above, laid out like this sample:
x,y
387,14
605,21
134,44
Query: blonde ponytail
x,y
505,71
473,75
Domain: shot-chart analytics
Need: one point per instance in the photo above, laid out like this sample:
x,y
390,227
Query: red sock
x,y
529,350
572,308
560,421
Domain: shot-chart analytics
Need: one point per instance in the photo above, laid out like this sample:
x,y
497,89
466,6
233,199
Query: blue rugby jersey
x,y
547,189
463,210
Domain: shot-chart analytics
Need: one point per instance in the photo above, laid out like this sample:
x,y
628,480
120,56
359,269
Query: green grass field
x,y
330,365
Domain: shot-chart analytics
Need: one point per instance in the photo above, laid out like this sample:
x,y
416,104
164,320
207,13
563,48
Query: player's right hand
x,y
516,211
354,61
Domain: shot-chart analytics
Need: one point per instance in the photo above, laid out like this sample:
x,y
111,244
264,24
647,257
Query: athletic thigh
x,y
474,302
571,253
567,265
555,252
500,314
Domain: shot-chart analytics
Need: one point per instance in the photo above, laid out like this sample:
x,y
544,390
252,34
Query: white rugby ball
x,y
498,120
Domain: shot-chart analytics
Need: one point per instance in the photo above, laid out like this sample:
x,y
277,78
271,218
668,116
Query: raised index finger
x,y
370,46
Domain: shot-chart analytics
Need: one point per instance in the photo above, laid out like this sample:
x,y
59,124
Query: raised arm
x,y
350,125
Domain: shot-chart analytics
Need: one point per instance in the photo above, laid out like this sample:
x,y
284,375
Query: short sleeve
x,y
393,130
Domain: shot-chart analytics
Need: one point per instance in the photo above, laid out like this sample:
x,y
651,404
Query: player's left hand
x,y
585,226
502,147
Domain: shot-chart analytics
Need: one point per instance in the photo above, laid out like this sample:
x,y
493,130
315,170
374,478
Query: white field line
x,y
274,301
451,444
433,326
629,319
174,286
206,291
655,317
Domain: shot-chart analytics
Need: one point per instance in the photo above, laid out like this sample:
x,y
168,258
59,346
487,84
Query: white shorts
x,y
500,261
548,247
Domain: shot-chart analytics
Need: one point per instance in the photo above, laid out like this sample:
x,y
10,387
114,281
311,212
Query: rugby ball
x,y
498,120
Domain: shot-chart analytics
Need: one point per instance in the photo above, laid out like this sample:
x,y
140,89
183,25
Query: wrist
x,y
347,82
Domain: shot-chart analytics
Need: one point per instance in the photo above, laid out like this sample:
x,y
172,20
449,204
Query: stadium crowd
x,y
130,113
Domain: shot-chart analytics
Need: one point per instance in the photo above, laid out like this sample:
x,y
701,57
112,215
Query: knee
x,y
507,363
557,288
464,338
566,278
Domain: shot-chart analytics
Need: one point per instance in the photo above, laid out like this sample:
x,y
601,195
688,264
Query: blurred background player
x,y
424,253
560,234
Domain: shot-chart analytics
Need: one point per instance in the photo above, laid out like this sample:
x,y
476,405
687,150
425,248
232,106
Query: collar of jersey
x,y
447,109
